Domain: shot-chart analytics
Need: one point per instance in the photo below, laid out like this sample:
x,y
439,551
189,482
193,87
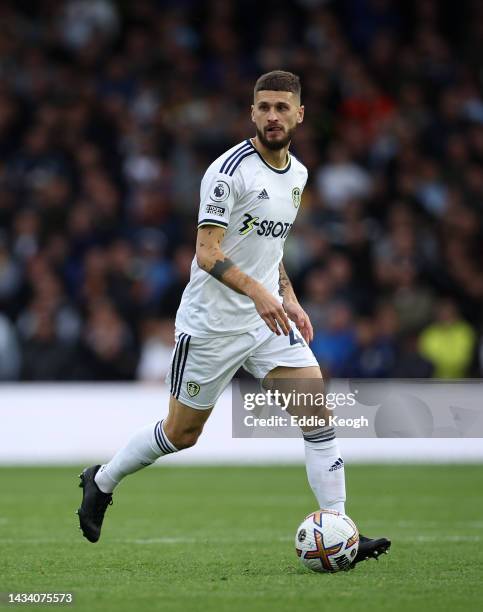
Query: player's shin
x,y
147,445
325,468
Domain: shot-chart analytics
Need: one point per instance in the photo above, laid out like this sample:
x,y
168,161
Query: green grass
x,y
222,539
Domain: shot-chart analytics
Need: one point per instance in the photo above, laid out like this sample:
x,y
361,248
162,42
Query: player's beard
x,y
275,145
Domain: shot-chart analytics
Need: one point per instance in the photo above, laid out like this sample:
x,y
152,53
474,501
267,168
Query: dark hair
x,y
278,80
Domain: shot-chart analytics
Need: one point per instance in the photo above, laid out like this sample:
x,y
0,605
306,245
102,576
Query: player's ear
x,y
253,113
300,114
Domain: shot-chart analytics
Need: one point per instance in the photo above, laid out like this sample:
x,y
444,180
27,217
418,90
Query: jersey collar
x,y
277,170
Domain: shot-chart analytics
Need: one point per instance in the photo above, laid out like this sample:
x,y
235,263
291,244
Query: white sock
x,y
325,468
147,445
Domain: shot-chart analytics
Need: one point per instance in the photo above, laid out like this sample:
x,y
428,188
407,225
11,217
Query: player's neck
x,y
277,159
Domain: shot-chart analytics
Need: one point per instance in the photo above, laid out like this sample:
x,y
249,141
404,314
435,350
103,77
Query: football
x,y
327,541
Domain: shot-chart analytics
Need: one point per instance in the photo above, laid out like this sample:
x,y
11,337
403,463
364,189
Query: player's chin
x,y
276,142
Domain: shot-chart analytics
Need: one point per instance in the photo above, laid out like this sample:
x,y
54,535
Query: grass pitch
x,y
222,539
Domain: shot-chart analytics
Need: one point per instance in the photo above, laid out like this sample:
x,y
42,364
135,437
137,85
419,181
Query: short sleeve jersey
x,y
257,205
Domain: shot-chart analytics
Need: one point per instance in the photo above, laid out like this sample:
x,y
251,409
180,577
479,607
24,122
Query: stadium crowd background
x,y
110,113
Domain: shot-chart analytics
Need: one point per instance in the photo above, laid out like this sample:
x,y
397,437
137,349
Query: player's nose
x,y
272,115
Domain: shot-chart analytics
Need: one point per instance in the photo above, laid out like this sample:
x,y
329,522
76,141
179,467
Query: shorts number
x,y
295,339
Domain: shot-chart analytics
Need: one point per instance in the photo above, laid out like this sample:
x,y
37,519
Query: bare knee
x,y
183,425
183,437
186,439
306,383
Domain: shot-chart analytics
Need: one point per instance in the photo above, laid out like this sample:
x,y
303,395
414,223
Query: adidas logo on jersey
x,y
263,195
337,465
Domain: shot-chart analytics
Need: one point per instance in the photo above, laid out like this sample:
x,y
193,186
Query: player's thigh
x,y
305,386
284,373
184,423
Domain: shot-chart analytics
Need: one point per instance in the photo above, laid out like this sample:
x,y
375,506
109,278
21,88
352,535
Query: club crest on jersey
x,y
220,191
266,227
192,388
296,196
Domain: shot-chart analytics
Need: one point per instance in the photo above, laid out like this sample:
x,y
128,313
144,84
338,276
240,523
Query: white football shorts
x,y
201,368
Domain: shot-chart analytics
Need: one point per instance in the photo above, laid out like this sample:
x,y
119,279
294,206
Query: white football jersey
x,y
257,204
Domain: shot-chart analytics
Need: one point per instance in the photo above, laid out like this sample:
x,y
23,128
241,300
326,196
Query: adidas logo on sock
x,y
263,195
337,465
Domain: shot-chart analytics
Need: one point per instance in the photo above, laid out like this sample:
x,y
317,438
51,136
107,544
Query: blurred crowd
x,y
110,113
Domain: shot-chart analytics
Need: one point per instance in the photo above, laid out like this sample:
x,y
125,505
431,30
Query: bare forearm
x,y
221,267
285,286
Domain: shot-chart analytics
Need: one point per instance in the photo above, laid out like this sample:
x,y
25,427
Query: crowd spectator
x,y
449,330
157,349
9,351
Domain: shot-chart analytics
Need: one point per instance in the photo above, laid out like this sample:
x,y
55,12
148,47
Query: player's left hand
x,y
297,314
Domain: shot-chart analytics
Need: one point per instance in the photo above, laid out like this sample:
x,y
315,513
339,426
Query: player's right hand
x,y
271,311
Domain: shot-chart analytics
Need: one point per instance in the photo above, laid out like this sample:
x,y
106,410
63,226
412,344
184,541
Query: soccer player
x,y
239,308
